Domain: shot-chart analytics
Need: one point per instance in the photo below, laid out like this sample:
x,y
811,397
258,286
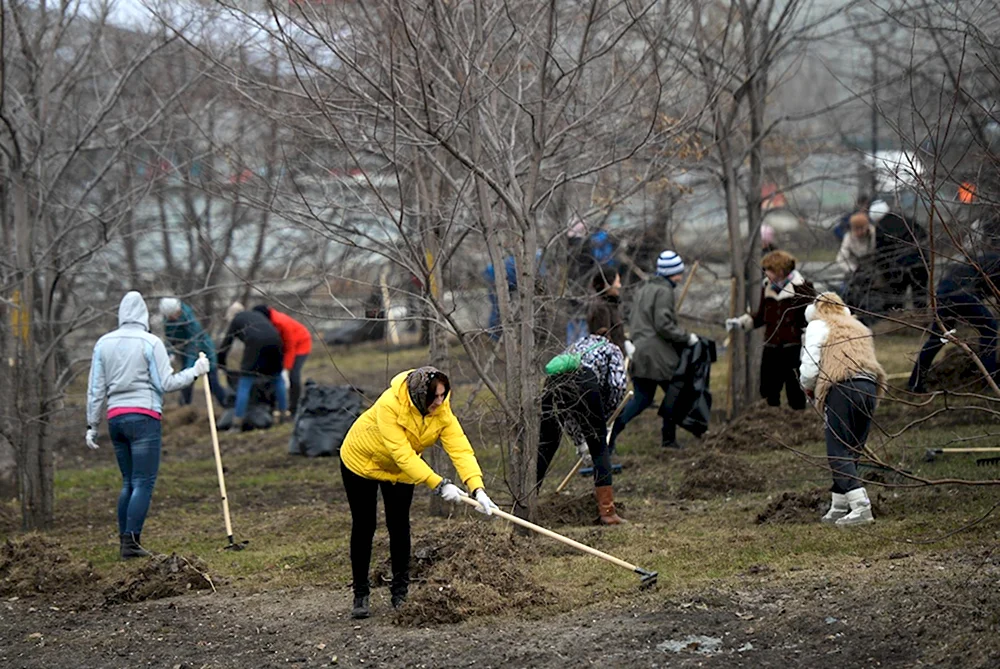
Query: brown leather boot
x,y
606,506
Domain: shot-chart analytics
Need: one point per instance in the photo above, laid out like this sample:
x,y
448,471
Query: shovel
x,y
647,579
233,546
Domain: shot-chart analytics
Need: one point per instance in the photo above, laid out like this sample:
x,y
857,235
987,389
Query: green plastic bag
x,y
567,362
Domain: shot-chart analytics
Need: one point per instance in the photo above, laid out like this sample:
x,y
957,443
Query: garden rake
x,y
932,453
233,546
647,579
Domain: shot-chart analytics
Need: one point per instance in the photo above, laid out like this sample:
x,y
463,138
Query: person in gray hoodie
x,y
129,373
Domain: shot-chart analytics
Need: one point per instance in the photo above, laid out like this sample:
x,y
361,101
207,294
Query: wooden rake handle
x,y
218,456
562,539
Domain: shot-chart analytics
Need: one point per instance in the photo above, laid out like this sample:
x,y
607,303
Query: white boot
x,y
861,509
838,509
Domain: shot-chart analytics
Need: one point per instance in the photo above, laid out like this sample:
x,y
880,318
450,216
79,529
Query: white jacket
x,y
812,346
130,367
852,250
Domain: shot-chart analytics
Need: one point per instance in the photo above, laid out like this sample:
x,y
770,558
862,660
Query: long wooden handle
x,y
565,482
687,284
730,356
218,457
966,450
558,537
611,421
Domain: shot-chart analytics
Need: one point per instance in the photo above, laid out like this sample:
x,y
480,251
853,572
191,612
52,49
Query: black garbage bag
x,y
263,399
325,415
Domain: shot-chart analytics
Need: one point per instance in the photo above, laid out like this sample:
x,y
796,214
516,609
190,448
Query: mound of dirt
x,y
795,507
33,564
478,571
720,474
184,416
956,371
767,428
556,510
807,507
158,577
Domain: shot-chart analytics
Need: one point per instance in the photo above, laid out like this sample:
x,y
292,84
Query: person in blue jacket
x,y
185,338
494,328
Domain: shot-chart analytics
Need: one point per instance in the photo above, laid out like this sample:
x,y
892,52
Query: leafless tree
x,y
70,79
475,127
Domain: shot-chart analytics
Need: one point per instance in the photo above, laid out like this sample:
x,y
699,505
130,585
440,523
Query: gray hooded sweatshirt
x,y
130,367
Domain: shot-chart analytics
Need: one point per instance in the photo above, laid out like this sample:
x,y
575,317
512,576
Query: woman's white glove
x,y
629,348
583,451
692,339
449,491
201,366
486,504
286,378
92,439
733,324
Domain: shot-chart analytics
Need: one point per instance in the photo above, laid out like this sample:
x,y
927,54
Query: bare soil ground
x,y
904,611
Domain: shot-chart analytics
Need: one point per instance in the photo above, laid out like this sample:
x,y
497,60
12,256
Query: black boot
x,y
360,609
399,589
131,548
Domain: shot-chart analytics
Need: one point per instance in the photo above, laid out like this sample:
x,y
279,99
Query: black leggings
x,y
575,396
779,368
362,496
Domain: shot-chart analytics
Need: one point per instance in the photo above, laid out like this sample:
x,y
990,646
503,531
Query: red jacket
x,y
295,337
783,314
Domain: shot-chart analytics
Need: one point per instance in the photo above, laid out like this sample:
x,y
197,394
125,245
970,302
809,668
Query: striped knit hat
x,y
669,264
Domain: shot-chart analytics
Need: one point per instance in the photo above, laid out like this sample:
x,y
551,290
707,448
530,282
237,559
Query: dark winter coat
x,y
657,336
783,313
688,395
262,349
898,242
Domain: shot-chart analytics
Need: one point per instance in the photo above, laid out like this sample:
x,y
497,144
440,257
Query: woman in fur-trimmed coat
x,y
785,294
840,371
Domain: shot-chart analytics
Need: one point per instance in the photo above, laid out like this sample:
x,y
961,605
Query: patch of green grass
x,y
294,511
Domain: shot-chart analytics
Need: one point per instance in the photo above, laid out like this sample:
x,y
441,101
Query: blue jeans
x,y
137,439
645,391
243,395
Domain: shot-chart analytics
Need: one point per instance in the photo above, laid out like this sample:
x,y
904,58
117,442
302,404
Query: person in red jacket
x,y
785,294
297,342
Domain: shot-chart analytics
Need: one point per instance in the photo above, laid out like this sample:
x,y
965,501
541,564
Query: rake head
x,y
233,546
985,462
647,578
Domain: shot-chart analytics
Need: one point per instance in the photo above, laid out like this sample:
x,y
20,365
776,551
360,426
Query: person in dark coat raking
x,y
262,357
960,298
782,313
658,339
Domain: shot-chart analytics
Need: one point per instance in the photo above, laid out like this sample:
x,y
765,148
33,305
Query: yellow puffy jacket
x,y
386,441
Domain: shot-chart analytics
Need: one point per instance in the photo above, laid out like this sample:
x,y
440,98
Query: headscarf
x,y
419,385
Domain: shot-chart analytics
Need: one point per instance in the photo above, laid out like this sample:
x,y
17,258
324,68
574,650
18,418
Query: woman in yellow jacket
x,y
382,450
